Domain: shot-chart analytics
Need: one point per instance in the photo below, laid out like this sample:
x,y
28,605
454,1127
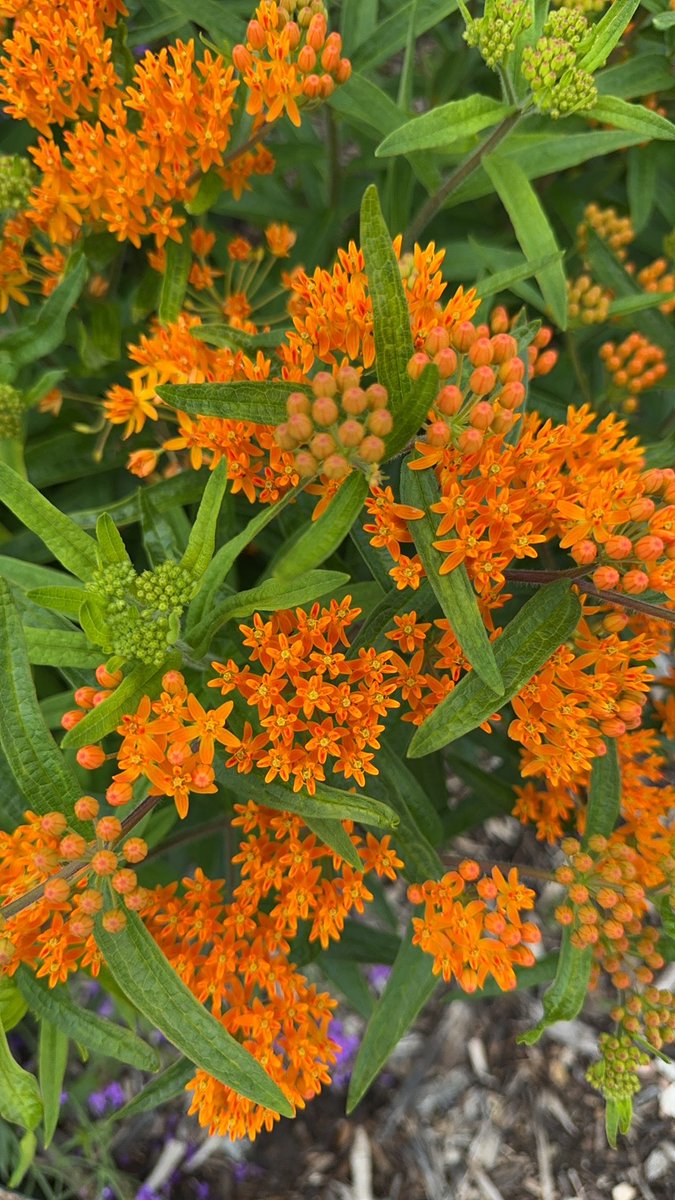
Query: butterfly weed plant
x,y
302,509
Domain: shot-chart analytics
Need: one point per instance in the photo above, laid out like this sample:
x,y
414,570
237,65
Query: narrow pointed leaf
x,y
164,1087
147,978
66,600
607,34
87,1028
59,648
528,641
202,540
165,534
67,542
454,591
439,128
13,1007
409,987
328,803
334,835
20,1100
110,542
174,279
391,318
107,716
38,766
532,229
634,117
52,1060
323,536
270,596
262,403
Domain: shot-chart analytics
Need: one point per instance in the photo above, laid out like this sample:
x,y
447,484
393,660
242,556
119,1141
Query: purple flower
x,y
63,1097
114,1094
348,1044
202,1191
378,976
147,1193
106,1008
98,1103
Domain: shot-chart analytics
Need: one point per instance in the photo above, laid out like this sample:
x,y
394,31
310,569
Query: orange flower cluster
x,y
235,955
53,933
58,60
332,310
131,168
315,706
480,934
635,365
606,907
616,231
656,277
288,61
329,428
588,302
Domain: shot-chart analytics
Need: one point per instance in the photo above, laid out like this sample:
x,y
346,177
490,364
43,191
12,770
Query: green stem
x,y
435,203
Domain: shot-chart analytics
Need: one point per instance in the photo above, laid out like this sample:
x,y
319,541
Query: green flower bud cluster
x,y
17,178
650,1014
615,1075
559,85
142,612
494,34
11,411
300,11
583,6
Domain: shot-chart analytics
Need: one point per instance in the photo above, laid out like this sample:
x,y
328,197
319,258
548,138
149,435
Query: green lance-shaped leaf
x,y
46,332
606,34
150,982
12,1004
202,540
110,544
634,117
409,987
439,128
334,835
59,648
67,600
532,228
106,716
398,786
164,1087
528,641
323,536
328,804
270,596
52,1060
618,1117
391,320
454,591
67,542
20,1100
565,998
226,556
174,280
165,534
42,776
261,403
87,1028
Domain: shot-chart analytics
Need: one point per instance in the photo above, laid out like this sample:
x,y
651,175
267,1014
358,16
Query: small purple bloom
x,y
378,976
63,1097
147,1193
98,1103
348,1044
114,1094
202,1191
106,1008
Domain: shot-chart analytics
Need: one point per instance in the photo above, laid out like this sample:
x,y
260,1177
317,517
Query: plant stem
x,y
435,203
452,861
540,578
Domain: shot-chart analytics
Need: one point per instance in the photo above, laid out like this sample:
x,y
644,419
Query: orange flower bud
x,y
350,434
72,846
300,427
437,339
84,696
635,582
119,793
438,434
371,449
470,441
114,921
446,361
380,422
108,679
108,828
323,444
57,891
306,464
619,546
481,352
297,403
135,849
90,757
649,548
86,808
53,824
324,411
584,552
378,396
482,380
124,881
417,364
104,862
90,901
512,371
336,467
606,578
481,415
449,400
463,336
71,718
324,384
512,396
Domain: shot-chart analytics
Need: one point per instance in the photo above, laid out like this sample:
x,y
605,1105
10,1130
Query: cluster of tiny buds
x,y
635,365
615,1075
317,54
650,1014
105,864
606,906
617,232
142,612
342,426
588,302
658,278
87,698
559,86
494,34
11,411
585,6
481,376
630,559
17,178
